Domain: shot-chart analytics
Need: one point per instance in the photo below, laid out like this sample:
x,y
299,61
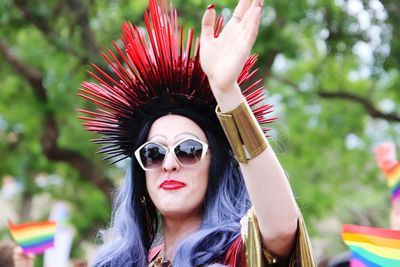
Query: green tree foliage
x,y
331,67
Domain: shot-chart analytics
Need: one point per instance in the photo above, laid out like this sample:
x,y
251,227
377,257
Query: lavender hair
x,y
129,238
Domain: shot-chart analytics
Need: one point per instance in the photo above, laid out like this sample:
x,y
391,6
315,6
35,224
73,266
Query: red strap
x,y
235,256
154,252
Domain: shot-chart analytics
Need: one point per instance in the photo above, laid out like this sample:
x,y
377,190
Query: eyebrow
x,y
162,135
176,136
186,133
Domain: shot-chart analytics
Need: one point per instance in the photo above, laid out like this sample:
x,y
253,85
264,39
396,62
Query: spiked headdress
x,y
153,72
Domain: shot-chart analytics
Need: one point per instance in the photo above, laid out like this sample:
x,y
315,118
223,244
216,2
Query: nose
x,y
170,163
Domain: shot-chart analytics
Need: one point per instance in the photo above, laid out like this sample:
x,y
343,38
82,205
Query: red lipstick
x,y
172,185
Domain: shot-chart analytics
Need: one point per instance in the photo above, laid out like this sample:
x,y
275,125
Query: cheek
x,y
151,182
201,179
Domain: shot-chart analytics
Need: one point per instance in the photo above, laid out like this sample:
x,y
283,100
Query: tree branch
x,y
32,75
366,103
53,37
341,94
50,134
82,17
84,166
268,62
286,81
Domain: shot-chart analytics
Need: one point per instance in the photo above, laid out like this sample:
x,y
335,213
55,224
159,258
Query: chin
x,y
174,213
177,210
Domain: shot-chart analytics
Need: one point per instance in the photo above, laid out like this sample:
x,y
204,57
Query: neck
x,y
177,229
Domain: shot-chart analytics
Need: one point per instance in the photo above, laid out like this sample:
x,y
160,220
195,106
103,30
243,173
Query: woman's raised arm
x,y
222,59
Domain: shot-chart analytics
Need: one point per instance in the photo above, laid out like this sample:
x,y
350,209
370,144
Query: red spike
x,y
127,62
251,87
103,119
106,112
97,102
122,73
105,75
102,82
110,98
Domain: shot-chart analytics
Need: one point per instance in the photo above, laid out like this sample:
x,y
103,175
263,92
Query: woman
x,y
182,166
204,187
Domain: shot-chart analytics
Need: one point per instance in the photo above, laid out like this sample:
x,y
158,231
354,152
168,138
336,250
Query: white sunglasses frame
x,y
171,149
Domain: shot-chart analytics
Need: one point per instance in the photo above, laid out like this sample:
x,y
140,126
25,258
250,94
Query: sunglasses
x,y
188,152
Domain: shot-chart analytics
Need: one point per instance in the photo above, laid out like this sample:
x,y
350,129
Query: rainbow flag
x,y
372,247
33,237
393,181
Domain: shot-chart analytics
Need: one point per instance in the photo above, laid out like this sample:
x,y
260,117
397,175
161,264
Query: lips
x,y
172,185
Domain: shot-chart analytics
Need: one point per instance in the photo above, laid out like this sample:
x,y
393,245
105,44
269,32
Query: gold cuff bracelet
x,y
243,132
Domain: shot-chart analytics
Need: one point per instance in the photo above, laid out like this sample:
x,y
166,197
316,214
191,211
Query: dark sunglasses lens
x,y
152,155
189,152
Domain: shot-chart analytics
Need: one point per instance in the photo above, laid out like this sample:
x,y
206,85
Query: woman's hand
x,y
223,58
22,260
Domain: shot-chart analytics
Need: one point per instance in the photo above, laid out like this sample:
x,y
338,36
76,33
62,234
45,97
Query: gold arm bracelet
x,y
243,132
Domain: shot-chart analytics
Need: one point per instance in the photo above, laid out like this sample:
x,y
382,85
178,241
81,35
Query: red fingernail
x,y
211,6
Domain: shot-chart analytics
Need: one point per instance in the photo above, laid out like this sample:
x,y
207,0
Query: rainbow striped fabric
x,y
33,237
372,247
393,181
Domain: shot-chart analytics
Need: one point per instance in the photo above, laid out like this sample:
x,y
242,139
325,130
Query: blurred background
x,y
331,68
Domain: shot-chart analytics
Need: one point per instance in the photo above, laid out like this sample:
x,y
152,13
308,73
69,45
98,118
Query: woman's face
x,y
176,190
